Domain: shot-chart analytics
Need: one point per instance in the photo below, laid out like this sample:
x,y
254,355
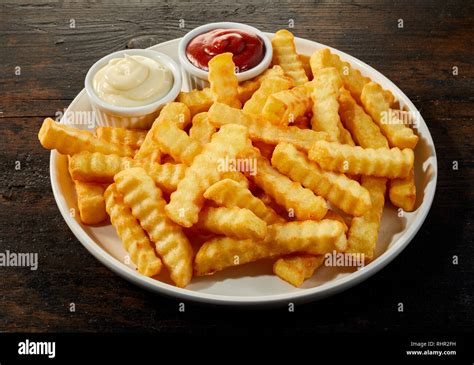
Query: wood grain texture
x,y
54,59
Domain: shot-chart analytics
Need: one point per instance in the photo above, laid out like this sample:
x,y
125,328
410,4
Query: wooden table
x,y
45,52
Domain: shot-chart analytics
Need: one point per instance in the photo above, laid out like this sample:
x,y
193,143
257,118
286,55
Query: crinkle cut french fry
x,y
68,140
201,129
284,107
132,138
269,86
284,54
306,65
344,193
167,176
230,193
363,232
90,202
381,162
176,142
316,238
345,135
97,167
134,239
223,80
364,131
298,201
236,176
402,192
376,102
177,113
295,269
334,216
186,202
147,205
261,130
247,88
324,95
352,78
234,222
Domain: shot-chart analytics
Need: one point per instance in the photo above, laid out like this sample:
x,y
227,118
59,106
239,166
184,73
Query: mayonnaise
x,y
132,81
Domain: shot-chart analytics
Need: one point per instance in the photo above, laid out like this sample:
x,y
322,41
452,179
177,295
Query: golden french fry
x,y
236,176
284,107
230,193
295,269
223,80
176,142
261,130
345,135
376,102
334,216
284,54
132,138
68,140
352,78
177,113
166,176
298,201
90,202
363,232
234,222
364,131
306,65
269,86
344,193
316,238
186,202
134,239
201,129
402,192
327,83
147,205
382,162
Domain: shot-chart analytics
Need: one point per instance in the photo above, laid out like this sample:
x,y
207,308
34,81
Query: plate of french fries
x,y
287,187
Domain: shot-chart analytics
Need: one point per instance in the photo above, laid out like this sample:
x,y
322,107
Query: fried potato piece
x,y
345,136
234,222
97,167
284,107
223,80
306,65
296,269
402,192
363,232
269,86
176,142
134,239
68,140
316,238
236,176
147,205
177,113
364,131
381,162
334,216
199,101
132,138
166,176
376,102
201,129
284,54
298,201
261,130
352,78
327,83
344,193
186,202
230,193
90,202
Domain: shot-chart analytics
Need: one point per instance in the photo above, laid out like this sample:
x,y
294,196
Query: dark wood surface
x,y
36,36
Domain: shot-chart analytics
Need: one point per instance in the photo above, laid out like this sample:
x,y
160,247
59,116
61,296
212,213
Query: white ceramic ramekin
x,y
198,78
131,117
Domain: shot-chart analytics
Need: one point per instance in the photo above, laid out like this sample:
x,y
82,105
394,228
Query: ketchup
x,y
248,49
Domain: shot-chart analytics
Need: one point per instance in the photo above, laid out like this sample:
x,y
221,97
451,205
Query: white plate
x,y
254,283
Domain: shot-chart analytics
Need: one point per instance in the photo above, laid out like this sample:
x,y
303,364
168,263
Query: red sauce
x,y
248,49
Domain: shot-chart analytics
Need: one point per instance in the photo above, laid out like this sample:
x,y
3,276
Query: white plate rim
x,y
307,294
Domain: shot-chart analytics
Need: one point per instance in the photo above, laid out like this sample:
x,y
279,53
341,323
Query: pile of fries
x,y
291,165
